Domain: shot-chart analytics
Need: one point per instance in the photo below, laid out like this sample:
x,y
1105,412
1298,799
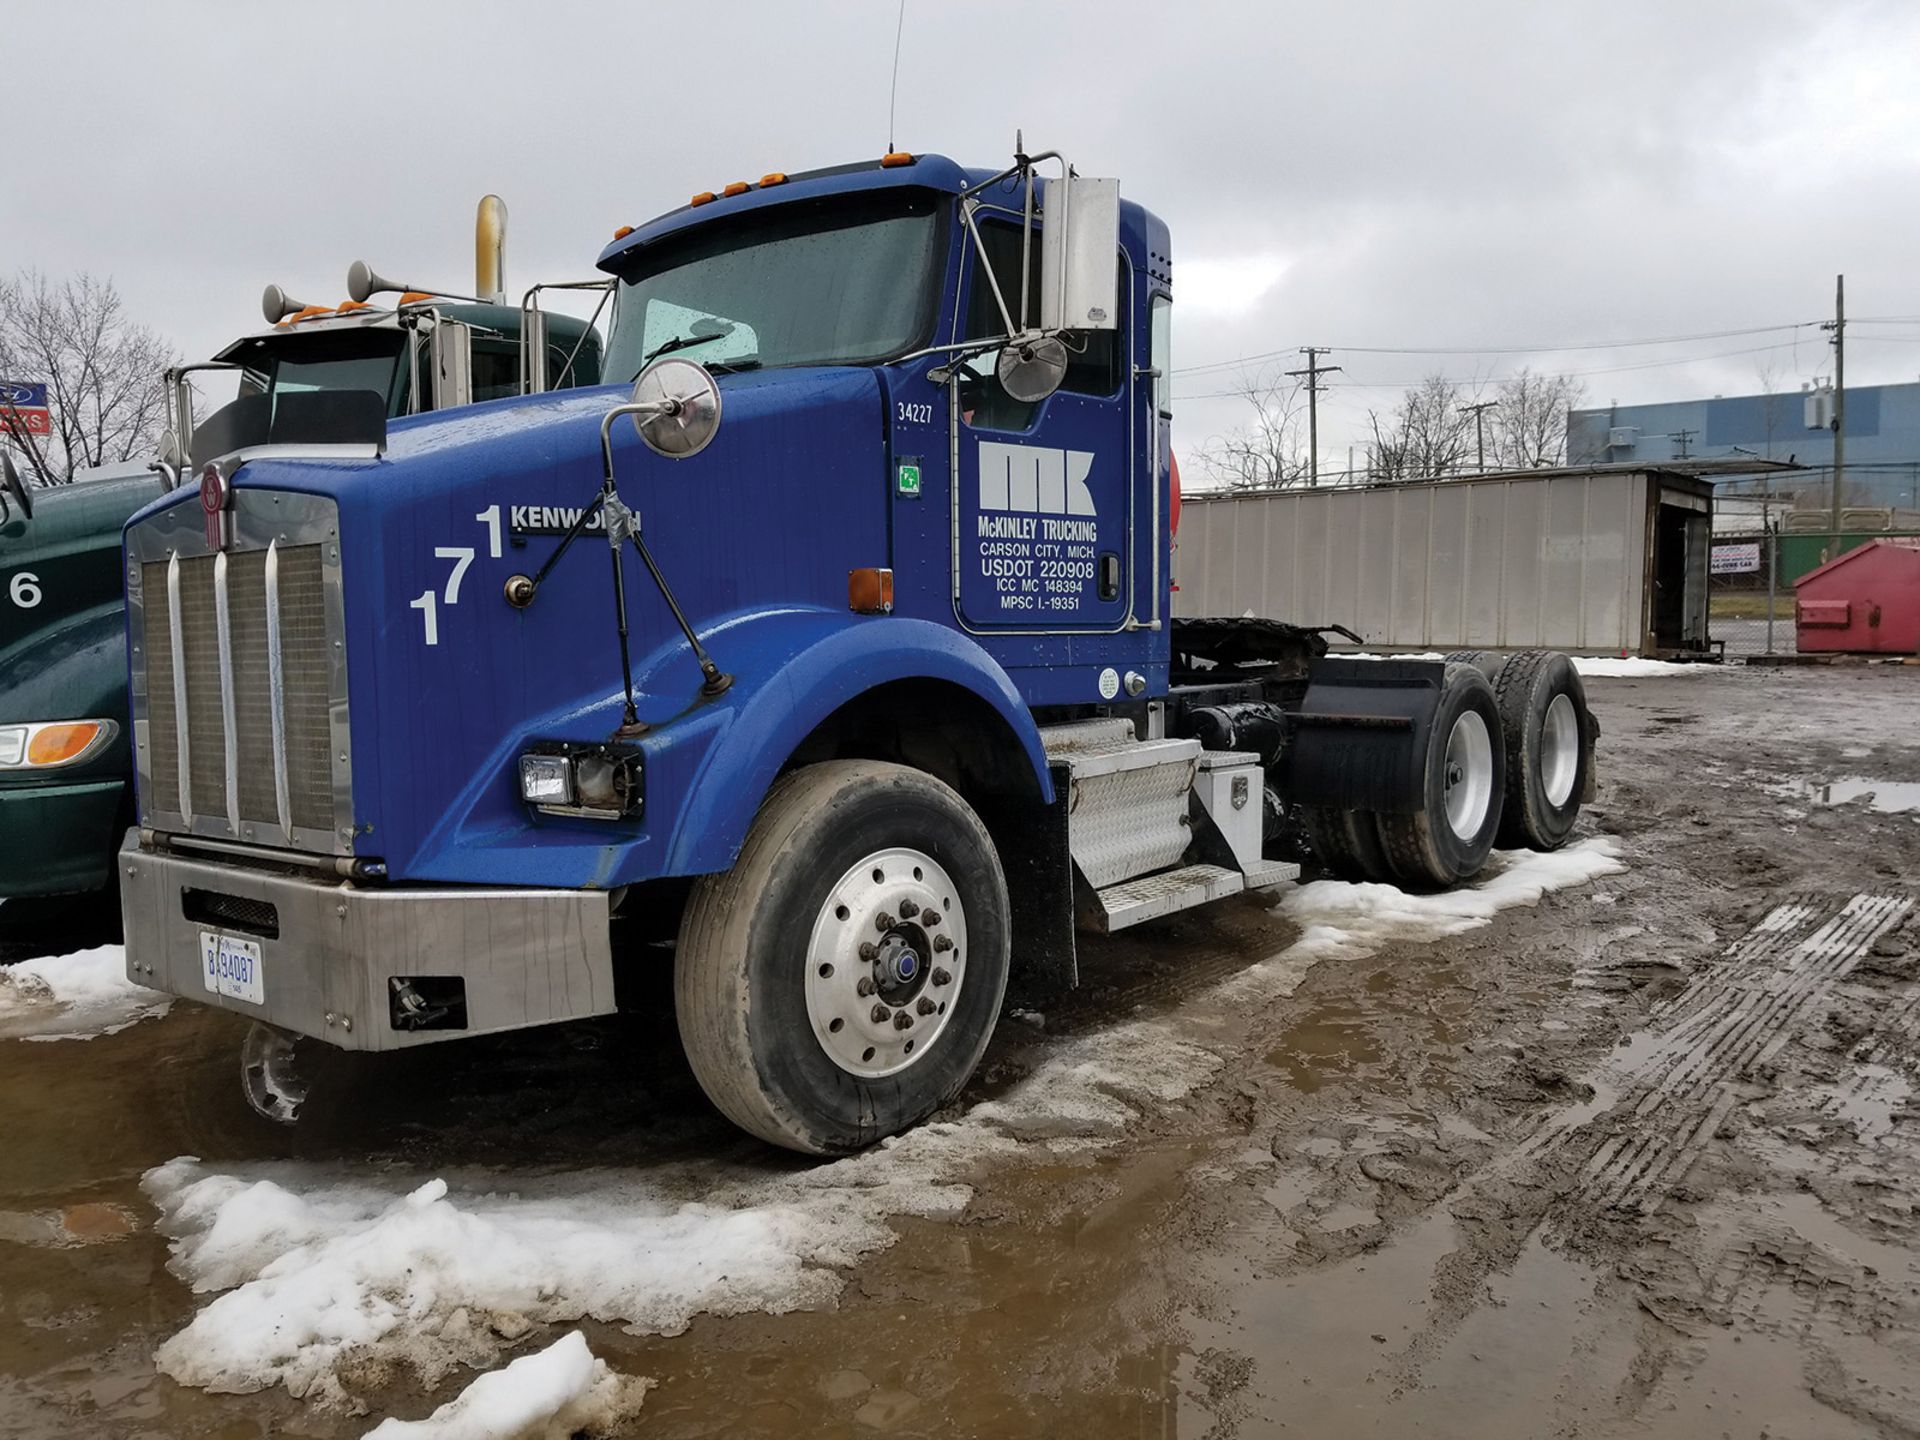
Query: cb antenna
x,y
893,88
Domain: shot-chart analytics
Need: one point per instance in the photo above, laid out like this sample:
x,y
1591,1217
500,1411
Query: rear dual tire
x,y
1549,748
1449,837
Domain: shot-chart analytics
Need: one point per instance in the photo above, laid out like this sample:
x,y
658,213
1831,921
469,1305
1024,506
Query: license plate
x,y
231,966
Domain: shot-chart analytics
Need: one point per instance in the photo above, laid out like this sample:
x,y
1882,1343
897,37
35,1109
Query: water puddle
x,y
1888,797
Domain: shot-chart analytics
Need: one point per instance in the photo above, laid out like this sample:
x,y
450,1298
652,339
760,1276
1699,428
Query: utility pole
x,y
1313,372
1682,438
1839,329
1479,412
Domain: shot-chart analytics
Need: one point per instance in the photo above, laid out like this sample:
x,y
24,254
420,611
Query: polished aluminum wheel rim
x,y
1469,779
1559,750
885,963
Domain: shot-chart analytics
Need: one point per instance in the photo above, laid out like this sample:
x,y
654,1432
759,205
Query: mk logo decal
x,y
1036,480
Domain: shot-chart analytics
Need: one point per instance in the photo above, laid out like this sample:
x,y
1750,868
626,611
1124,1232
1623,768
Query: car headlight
x,y
49,744
598,782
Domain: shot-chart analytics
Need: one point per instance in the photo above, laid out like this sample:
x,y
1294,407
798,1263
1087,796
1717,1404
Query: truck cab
x,y
873,703
66,756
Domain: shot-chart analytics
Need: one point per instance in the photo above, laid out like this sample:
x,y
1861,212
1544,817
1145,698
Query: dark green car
x,y
66,760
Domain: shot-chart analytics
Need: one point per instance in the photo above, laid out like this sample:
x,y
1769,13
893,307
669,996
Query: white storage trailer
x,y
1597,560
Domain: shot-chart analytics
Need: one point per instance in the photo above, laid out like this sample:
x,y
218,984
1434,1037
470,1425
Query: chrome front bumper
x,y
330,950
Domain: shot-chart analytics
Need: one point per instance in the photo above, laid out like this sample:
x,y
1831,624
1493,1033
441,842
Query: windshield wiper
x,y
678,342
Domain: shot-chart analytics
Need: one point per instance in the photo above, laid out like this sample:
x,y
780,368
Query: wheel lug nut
x,y
880,1014
929,916
907,908
943,942
869,950
865,985
902,1020
883,921
941,977
926,1006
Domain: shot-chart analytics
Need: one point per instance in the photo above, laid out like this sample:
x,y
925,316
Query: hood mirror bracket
x,y
676,408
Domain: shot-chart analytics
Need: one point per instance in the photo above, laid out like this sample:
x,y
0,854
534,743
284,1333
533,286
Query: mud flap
x,y
1360,735
1591,739
1039,867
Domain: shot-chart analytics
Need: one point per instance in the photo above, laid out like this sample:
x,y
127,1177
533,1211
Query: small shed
x,y
1865,602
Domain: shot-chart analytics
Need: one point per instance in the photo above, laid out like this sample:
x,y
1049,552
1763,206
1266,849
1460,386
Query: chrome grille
x,y
239,676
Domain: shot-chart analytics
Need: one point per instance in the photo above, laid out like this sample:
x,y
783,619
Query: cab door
x,y
1044,487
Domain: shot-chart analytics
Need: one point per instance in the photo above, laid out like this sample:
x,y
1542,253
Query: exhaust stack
x,y
490,250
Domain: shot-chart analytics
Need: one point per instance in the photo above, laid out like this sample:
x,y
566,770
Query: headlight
x,y
47,745
597,782
546,779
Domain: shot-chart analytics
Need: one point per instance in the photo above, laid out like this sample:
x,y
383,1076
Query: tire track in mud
x,y
1652,1113
1658,1108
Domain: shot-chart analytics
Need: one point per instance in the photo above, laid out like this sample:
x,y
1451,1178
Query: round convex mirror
x,y
1031,370
688,410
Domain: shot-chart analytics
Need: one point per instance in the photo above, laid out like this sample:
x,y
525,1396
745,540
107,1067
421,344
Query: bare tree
x,y
1530,427
1268,452
102,370
1426,437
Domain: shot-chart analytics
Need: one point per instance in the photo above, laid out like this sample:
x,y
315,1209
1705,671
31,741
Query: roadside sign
x,y
24,405
1741,559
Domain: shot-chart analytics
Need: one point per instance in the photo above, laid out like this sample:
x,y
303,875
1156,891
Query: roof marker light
x,y
623,232
894,158
415,297
705,197
773,177
738,187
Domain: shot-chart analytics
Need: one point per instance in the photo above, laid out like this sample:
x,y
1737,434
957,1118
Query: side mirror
x,y
1031,370
172,454
452,363
1080,254
180,411
533,350
15,487
682,407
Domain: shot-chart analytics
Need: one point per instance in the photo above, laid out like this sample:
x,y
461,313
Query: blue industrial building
x,y
1883,439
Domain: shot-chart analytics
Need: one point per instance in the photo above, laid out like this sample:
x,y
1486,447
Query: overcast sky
x,y
1420,174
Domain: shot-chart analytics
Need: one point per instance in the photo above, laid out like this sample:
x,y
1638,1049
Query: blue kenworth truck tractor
x,y
878,708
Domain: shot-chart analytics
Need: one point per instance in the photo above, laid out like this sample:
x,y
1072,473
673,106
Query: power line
x,y
1485,379
1512,349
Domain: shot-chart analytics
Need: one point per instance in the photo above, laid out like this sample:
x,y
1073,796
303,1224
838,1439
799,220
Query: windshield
x,y
348,360
846,280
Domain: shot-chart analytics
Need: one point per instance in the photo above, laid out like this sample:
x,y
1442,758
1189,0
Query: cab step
x,y
1151,896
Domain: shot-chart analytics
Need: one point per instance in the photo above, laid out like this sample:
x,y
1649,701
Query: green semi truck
x,y
66,759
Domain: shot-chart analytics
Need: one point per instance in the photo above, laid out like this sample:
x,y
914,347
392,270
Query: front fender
x,y
793,669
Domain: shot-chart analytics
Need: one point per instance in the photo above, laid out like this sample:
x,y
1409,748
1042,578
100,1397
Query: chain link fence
x,y
1751,577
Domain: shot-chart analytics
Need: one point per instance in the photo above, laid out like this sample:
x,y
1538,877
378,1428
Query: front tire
x,y
862,888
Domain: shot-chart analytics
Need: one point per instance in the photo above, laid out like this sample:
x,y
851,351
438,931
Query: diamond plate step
x,y
1151,896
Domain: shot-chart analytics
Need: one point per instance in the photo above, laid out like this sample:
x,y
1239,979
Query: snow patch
x,y
1628,667
550,1395
1612,667
319,1269
1339,918
74,997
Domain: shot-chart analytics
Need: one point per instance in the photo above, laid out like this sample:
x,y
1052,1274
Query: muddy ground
x,y
1637,1160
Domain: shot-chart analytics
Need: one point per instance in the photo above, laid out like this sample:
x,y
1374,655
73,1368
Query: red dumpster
x,y
1867,601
